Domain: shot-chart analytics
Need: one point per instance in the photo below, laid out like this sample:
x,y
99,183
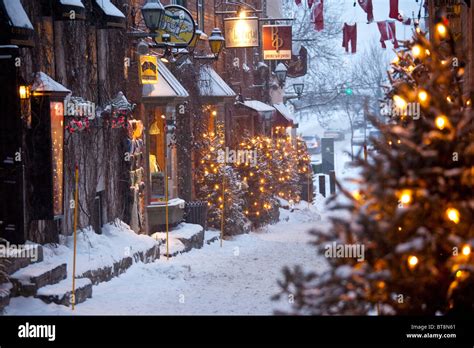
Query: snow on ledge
x,y
96,251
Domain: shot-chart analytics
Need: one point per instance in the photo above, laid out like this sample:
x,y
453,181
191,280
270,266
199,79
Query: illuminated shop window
x,y
156,138
57,118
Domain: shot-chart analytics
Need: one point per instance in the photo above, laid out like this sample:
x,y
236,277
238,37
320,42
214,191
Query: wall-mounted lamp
x,y
24,92
298,88
280,73
152,13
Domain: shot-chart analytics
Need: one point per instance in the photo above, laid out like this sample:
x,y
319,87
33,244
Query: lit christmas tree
x,y
284,166
414,211
261,206
220,186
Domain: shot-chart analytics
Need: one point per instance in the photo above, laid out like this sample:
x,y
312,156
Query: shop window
x,y
179,2
212,122
157,138
57,136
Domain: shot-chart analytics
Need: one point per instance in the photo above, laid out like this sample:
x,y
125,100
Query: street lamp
x,y
280,73
152,13
299,88
216,42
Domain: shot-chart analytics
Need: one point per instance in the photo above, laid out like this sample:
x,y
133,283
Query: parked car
x,y
336,134
313,142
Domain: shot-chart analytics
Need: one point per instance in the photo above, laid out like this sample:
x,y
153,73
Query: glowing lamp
x,y
216,41
24,92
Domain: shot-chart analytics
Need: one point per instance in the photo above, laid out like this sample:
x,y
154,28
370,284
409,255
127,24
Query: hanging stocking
x,y
310,3
387,32
368,8
394,13
318,15
349,35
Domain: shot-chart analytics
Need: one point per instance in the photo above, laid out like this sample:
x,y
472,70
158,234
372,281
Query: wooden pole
x,y
223,205
76,206
309,197
166,196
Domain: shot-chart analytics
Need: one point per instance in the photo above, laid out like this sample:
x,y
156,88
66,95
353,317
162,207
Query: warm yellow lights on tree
x,y
399,102
412,261
453,215
466,250
416,51
406,197
441,30
423,97
441,122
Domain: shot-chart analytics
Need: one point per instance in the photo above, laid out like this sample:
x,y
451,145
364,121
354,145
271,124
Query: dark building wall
x,y
90,62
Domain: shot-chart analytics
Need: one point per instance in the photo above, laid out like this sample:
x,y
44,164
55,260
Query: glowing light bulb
x,y
441,122
416,50
406,197
453,215
412,261
441,29
466,250
399,101
423,96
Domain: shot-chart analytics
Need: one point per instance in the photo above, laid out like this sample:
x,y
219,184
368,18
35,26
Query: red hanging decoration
x,y
387,32
310,3
349,35
317,15
394,13
368,8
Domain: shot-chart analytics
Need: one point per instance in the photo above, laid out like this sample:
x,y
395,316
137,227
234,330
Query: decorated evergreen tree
x,y
220,186
414,211
284,166
260,206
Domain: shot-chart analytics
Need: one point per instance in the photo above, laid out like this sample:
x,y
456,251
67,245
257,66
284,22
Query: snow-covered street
x,y
238,278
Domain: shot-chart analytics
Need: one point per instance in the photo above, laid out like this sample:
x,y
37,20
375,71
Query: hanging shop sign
x,y
241,32
179,24
298,66
148,69
277,42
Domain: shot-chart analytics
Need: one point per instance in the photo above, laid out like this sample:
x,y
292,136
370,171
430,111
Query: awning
x,y
284,116
110,16
212,86
15,26
43,84
167,89
64,9
258,106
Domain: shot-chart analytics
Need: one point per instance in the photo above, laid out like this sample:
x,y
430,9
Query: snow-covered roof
x,y
284,111
109,8
43,83
120,102
16,14
166,87
77,3
212,85
258,106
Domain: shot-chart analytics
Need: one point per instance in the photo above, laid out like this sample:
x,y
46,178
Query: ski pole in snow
x,y
76,204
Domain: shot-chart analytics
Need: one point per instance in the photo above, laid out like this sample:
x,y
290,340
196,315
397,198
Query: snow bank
x,y
95,251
